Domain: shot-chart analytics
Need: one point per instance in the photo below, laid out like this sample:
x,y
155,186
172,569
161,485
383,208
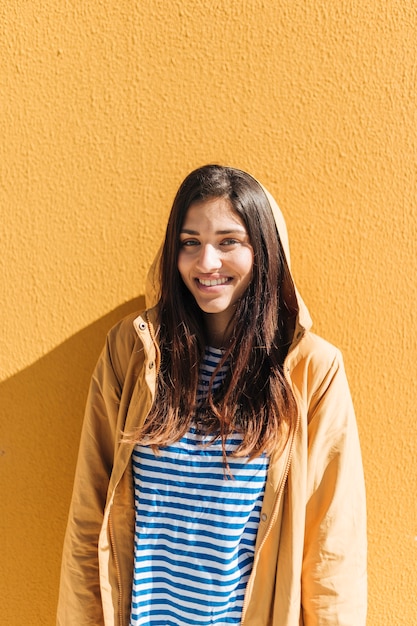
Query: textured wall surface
x,y
105,106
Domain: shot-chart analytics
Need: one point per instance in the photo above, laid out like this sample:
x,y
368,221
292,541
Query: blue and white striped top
x,y
195,528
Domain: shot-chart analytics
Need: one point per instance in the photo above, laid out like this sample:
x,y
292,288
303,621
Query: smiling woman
x,y
215,263
236,494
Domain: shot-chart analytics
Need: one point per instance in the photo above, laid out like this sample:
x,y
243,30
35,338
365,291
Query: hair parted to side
x,y
255,398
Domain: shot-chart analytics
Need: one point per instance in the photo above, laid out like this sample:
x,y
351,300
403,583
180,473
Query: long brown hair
x,y
255,398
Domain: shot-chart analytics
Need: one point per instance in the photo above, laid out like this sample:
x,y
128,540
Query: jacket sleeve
x,y
334,585
79,595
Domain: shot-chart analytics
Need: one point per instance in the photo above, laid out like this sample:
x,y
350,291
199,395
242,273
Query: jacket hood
x,y
291,294
303,316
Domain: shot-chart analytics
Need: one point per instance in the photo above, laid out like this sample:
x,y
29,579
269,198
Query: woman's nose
x,y
209,259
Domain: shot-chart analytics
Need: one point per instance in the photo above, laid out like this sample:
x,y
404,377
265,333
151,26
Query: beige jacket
x,y
310,557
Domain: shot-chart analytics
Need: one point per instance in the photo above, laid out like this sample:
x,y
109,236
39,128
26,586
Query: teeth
x,y
213,283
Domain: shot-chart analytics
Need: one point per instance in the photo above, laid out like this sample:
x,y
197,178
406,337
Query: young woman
x,y
219,478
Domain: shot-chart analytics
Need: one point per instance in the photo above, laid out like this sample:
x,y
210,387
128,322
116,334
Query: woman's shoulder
x,y
125,328
316,349
128,329
315,360
128,340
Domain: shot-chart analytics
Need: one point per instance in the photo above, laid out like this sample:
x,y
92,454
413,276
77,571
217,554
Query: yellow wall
x,y
105,106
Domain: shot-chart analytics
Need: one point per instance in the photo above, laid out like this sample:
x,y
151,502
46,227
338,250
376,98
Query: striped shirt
x,y
195,528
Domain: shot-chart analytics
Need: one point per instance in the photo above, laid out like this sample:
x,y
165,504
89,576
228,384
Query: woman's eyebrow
x,y
228,231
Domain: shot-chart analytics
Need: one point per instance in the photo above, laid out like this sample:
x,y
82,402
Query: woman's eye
x,y
229,242
189,242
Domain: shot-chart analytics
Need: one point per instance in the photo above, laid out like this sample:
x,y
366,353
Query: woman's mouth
x,y
213,282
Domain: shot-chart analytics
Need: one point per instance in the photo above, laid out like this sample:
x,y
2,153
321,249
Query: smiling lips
x,y
214,282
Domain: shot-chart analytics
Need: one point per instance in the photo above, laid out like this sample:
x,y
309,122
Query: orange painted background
x,y
105,107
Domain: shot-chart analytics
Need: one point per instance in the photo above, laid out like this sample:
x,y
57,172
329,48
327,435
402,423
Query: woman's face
x,y
215,258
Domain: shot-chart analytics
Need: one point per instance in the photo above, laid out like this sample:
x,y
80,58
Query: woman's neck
x,y
218,330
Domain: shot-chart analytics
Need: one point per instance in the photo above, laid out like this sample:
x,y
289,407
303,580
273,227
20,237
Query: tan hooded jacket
x,y
310,557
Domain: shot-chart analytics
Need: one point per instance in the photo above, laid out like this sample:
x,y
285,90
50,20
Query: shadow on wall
x,y
41,415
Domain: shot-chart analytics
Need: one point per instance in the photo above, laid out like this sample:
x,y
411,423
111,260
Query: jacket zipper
x,y
118,574
277,499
